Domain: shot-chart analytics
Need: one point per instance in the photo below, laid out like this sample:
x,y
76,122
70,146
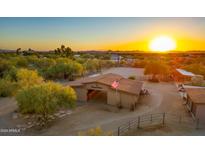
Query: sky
x,y
81,33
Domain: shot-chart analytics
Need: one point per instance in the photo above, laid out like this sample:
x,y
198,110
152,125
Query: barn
x,y
196,102
126,95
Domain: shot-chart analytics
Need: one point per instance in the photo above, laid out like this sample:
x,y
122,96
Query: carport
x,y
125,95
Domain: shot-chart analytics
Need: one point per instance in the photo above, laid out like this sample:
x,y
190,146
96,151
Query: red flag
x,y
115,84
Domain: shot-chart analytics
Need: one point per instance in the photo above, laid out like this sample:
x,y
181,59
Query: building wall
x,y
81,93
128,100
200,113
121,98
114,98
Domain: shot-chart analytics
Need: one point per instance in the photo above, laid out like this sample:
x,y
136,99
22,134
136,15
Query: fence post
x,y
118,131
197,123
163,121
138,122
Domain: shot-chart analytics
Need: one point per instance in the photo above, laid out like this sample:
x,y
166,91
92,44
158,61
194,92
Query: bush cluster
x,y
45,99
8,88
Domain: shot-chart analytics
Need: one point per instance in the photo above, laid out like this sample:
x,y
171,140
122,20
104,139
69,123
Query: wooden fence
x,y
155,119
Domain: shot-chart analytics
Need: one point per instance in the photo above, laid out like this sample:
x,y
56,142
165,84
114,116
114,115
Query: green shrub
x,y
11,74
92,65
4,66
27,78
45,99
196,68
7,88
64,69
21,62
156,69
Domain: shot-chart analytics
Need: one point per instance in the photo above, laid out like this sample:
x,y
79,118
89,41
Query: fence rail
x,y
155,119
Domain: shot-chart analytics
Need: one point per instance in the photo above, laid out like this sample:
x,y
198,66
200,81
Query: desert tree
x,y
156,68
45,99
28,78
18,51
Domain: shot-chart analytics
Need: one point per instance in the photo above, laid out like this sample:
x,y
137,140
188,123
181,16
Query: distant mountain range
x,y
6,50
108,51
10,51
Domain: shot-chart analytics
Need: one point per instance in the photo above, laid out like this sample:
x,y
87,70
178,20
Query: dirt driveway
x,y
8,107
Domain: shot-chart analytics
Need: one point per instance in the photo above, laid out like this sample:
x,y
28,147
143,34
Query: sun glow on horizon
x,y
162,44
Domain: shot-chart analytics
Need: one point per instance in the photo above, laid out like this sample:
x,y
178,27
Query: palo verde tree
x,y
156,68
45,99
28,78
64,69
196,68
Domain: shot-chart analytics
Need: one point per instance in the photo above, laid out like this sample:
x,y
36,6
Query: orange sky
x,y
100,33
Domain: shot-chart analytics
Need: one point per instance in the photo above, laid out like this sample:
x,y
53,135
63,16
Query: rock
x,y
49,120
56,114
61,112
68,112
61,115
26,117
51,117
15,116
29,123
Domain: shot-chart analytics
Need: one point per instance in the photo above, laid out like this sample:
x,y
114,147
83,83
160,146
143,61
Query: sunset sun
x,y
162,44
